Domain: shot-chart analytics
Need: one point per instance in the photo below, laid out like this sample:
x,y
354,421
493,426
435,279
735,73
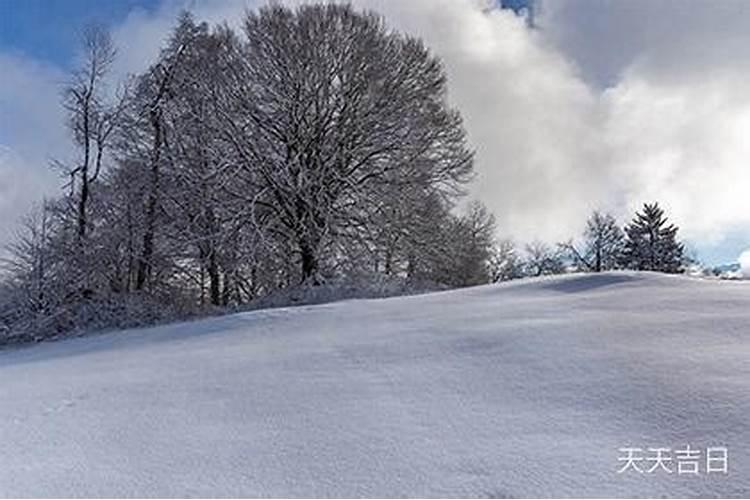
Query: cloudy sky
x,y
604,104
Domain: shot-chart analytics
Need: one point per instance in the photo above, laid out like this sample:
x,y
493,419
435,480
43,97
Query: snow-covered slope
x,y
524,389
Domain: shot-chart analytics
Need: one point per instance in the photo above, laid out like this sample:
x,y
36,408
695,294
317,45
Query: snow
x,y
521,389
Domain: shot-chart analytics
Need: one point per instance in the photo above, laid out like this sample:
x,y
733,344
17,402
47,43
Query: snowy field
x,y
523,389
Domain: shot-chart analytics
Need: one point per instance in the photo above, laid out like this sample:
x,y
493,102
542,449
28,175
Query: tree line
x,y
314,147
647,243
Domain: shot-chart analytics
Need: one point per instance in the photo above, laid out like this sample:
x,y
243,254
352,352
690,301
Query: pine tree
x,y
651,243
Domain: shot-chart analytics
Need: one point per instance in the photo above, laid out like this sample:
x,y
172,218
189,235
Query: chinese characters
x,y
682,461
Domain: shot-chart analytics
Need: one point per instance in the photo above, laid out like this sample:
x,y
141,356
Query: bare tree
x,y
505,262
145,141
326,108
93,115
471,240
27,260
542,259
603,243
319,146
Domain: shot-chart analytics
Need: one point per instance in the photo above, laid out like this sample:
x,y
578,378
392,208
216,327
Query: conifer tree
x,y
651,242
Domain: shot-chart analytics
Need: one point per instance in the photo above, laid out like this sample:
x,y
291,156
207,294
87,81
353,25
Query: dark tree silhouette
x,y
651,242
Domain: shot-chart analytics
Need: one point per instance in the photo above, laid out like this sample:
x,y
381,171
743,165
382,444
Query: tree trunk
x,y
388,262
144,264
214,278
309,264
82,202
229,286
598,265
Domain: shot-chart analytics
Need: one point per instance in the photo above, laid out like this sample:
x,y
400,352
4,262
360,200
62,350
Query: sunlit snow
x,y
517,390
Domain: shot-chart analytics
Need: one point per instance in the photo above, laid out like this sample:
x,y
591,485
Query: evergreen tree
x,y
651,243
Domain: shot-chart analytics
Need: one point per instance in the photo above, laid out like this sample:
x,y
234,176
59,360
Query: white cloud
x,y
675,38
31,134
529,116
684,144
552,147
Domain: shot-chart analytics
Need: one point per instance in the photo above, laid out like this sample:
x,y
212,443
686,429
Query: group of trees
x,y
647,243
317,146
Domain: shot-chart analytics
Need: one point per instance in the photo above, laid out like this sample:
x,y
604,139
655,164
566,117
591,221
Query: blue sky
x,y
586,60
47,29
22,20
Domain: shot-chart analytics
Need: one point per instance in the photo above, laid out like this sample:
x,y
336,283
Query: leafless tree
x,y
542,259
27,259
470,242
505,262
326,107
93,115
603,243
318,146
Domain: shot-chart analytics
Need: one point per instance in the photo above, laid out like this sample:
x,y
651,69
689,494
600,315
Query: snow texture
x,y
521,389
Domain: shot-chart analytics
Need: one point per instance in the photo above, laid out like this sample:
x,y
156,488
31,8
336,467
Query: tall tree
x,y
146,138
651,242
331,109
92,115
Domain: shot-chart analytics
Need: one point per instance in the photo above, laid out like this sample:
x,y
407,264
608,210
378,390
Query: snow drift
x,y
523,389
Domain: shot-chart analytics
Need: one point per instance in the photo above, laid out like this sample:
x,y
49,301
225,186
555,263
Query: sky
x,y
600,104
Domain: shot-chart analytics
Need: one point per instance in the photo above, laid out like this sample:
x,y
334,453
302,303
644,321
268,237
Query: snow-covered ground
x,y
523,389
